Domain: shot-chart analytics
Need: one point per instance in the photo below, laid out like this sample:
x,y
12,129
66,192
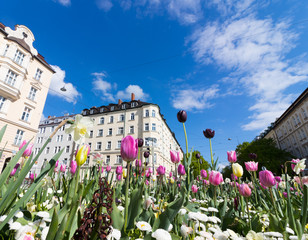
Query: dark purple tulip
x,y
253,156
198,156
182,116
140,142
146,154
209,133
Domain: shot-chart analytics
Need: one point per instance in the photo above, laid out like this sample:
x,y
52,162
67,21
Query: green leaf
x,y
53,228
61,229
116,216
2,131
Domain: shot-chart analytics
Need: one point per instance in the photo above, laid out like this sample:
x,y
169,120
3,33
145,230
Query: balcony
x,y
8,91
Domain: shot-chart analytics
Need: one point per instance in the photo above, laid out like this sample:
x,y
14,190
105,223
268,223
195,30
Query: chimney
x,y
133,97
119,102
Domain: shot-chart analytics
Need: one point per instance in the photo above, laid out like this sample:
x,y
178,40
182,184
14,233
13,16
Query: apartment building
x,y
24,81
290,130
60,140
138,119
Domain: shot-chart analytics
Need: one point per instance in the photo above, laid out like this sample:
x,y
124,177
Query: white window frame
x,y
153,113
6,49
2,101
132,116
19,57
38,74
147,113
100,133
98,145
119,144
153,126
131,129
110,132
108,146
67,149
119,159
102,120
121,118
111,119
10,78
26,114
120,130
146,127
108,159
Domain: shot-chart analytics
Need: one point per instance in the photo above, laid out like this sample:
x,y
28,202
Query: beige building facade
x,y
24,81
290,130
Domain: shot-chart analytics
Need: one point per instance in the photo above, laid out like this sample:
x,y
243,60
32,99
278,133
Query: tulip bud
x,y
267,178
73,167
13,172
209,133
170,174
194,188
181,170
146,154
215,178
138,163
28,150
102,169
252,156
175,156
251,166
182,116
232,156
140,142
82,154
198,156
203,173
244,190
129,148
237,169
119,177
161,170
108,168
57,163
62,168
119,170
233,177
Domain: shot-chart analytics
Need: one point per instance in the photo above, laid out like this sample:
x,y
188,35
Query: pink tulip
x,y
147,182
170,174
73,167
194,188
62,168
102,169
285,194
138,163
148,173
233,177
13,172
251,166
294,162
305,180
232,156
129,148
108,168
203,173
244,190
215,178
32,176
175,156
119,177
278,179
181,170
28,150
161,170
205,182
119,170
267,178
57,163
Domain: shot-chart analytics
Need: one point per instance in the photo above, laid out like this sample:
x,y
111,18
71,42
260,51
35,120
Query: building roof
x,y
53,120
25,46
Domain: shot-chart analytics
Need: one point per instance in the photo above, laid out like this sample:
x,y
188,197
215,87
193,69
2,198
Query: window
x,y
131,129
10,78
69,138
109,131
55,150
111,119
133,104
120,130
58,138
25,115
47,150
102,120
112,108
38,74
304,113
61,138
147,113
108,159
146,127
294,121
65,161
119,159
52,128
153,113
6,49
90,145
289,126
121,118
303,133
108,145
119,144
101,110
123,106
2,100
132,116
100,133
298,120
91,134
88,160
153,126
19,57
98,145
67,149
43,129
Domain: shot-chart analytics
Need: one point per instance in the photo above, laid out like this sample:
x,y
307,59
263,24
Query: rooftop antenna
x,y
63,89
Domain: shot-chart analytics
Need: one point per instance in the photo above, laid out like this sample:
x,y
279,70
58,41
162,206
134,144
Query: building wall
x,y
17,96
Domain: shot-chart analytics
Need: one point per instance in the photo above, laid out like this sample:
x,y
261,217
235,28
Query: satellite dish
x,y
63,89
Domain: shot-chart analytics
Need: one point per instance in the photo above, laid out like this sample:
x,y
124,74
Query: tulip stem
x,y
255,185
186,140
212,159
271,192
248,214
126,196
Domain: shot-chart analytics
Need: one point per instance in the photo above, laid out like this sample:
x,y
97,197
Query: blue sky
x,y
234,66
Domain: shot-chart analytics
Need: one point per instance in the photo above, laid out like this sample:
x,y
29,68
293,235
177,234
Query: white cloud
x,y
137,90
64,2
57,81
255,51
104,87
186,11
194,99
104,5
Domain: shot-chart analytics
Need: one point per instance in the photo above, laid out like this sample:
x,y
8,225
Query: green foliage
x,y
195,164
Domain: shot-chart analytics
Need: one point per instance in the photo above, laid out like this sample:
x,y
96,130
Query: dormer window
x,y
123,106
101,110
91,111
134,104
112,108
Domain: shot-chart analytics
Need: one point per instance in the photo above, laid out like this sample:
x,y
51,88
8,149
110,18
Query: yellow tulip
x,y
124,173
171,180
237,169
82,154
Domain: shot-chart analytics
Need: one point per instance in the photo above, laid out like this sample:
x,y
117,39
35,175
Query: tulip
x,y
175,156
140,142
171,180
251,166
205,182
108,168
182,116
285,194
170,174
181,170
161,170
278,179
267,178
138,163
102,169
79,129
82,154
146,154
233,177
237,169
300,166
73,167
62,168
232,156
194,188
119,170
147,174
32,176
198,156
129,148
215,178
119,177
147,182
252,156
57,163
13,172
294,162
209,133
305,180
244,190
203,173
124,173
28,150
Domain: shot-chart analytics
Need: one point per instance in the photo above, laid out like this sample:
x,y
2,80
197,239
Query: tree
x,y
195,163
269,156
